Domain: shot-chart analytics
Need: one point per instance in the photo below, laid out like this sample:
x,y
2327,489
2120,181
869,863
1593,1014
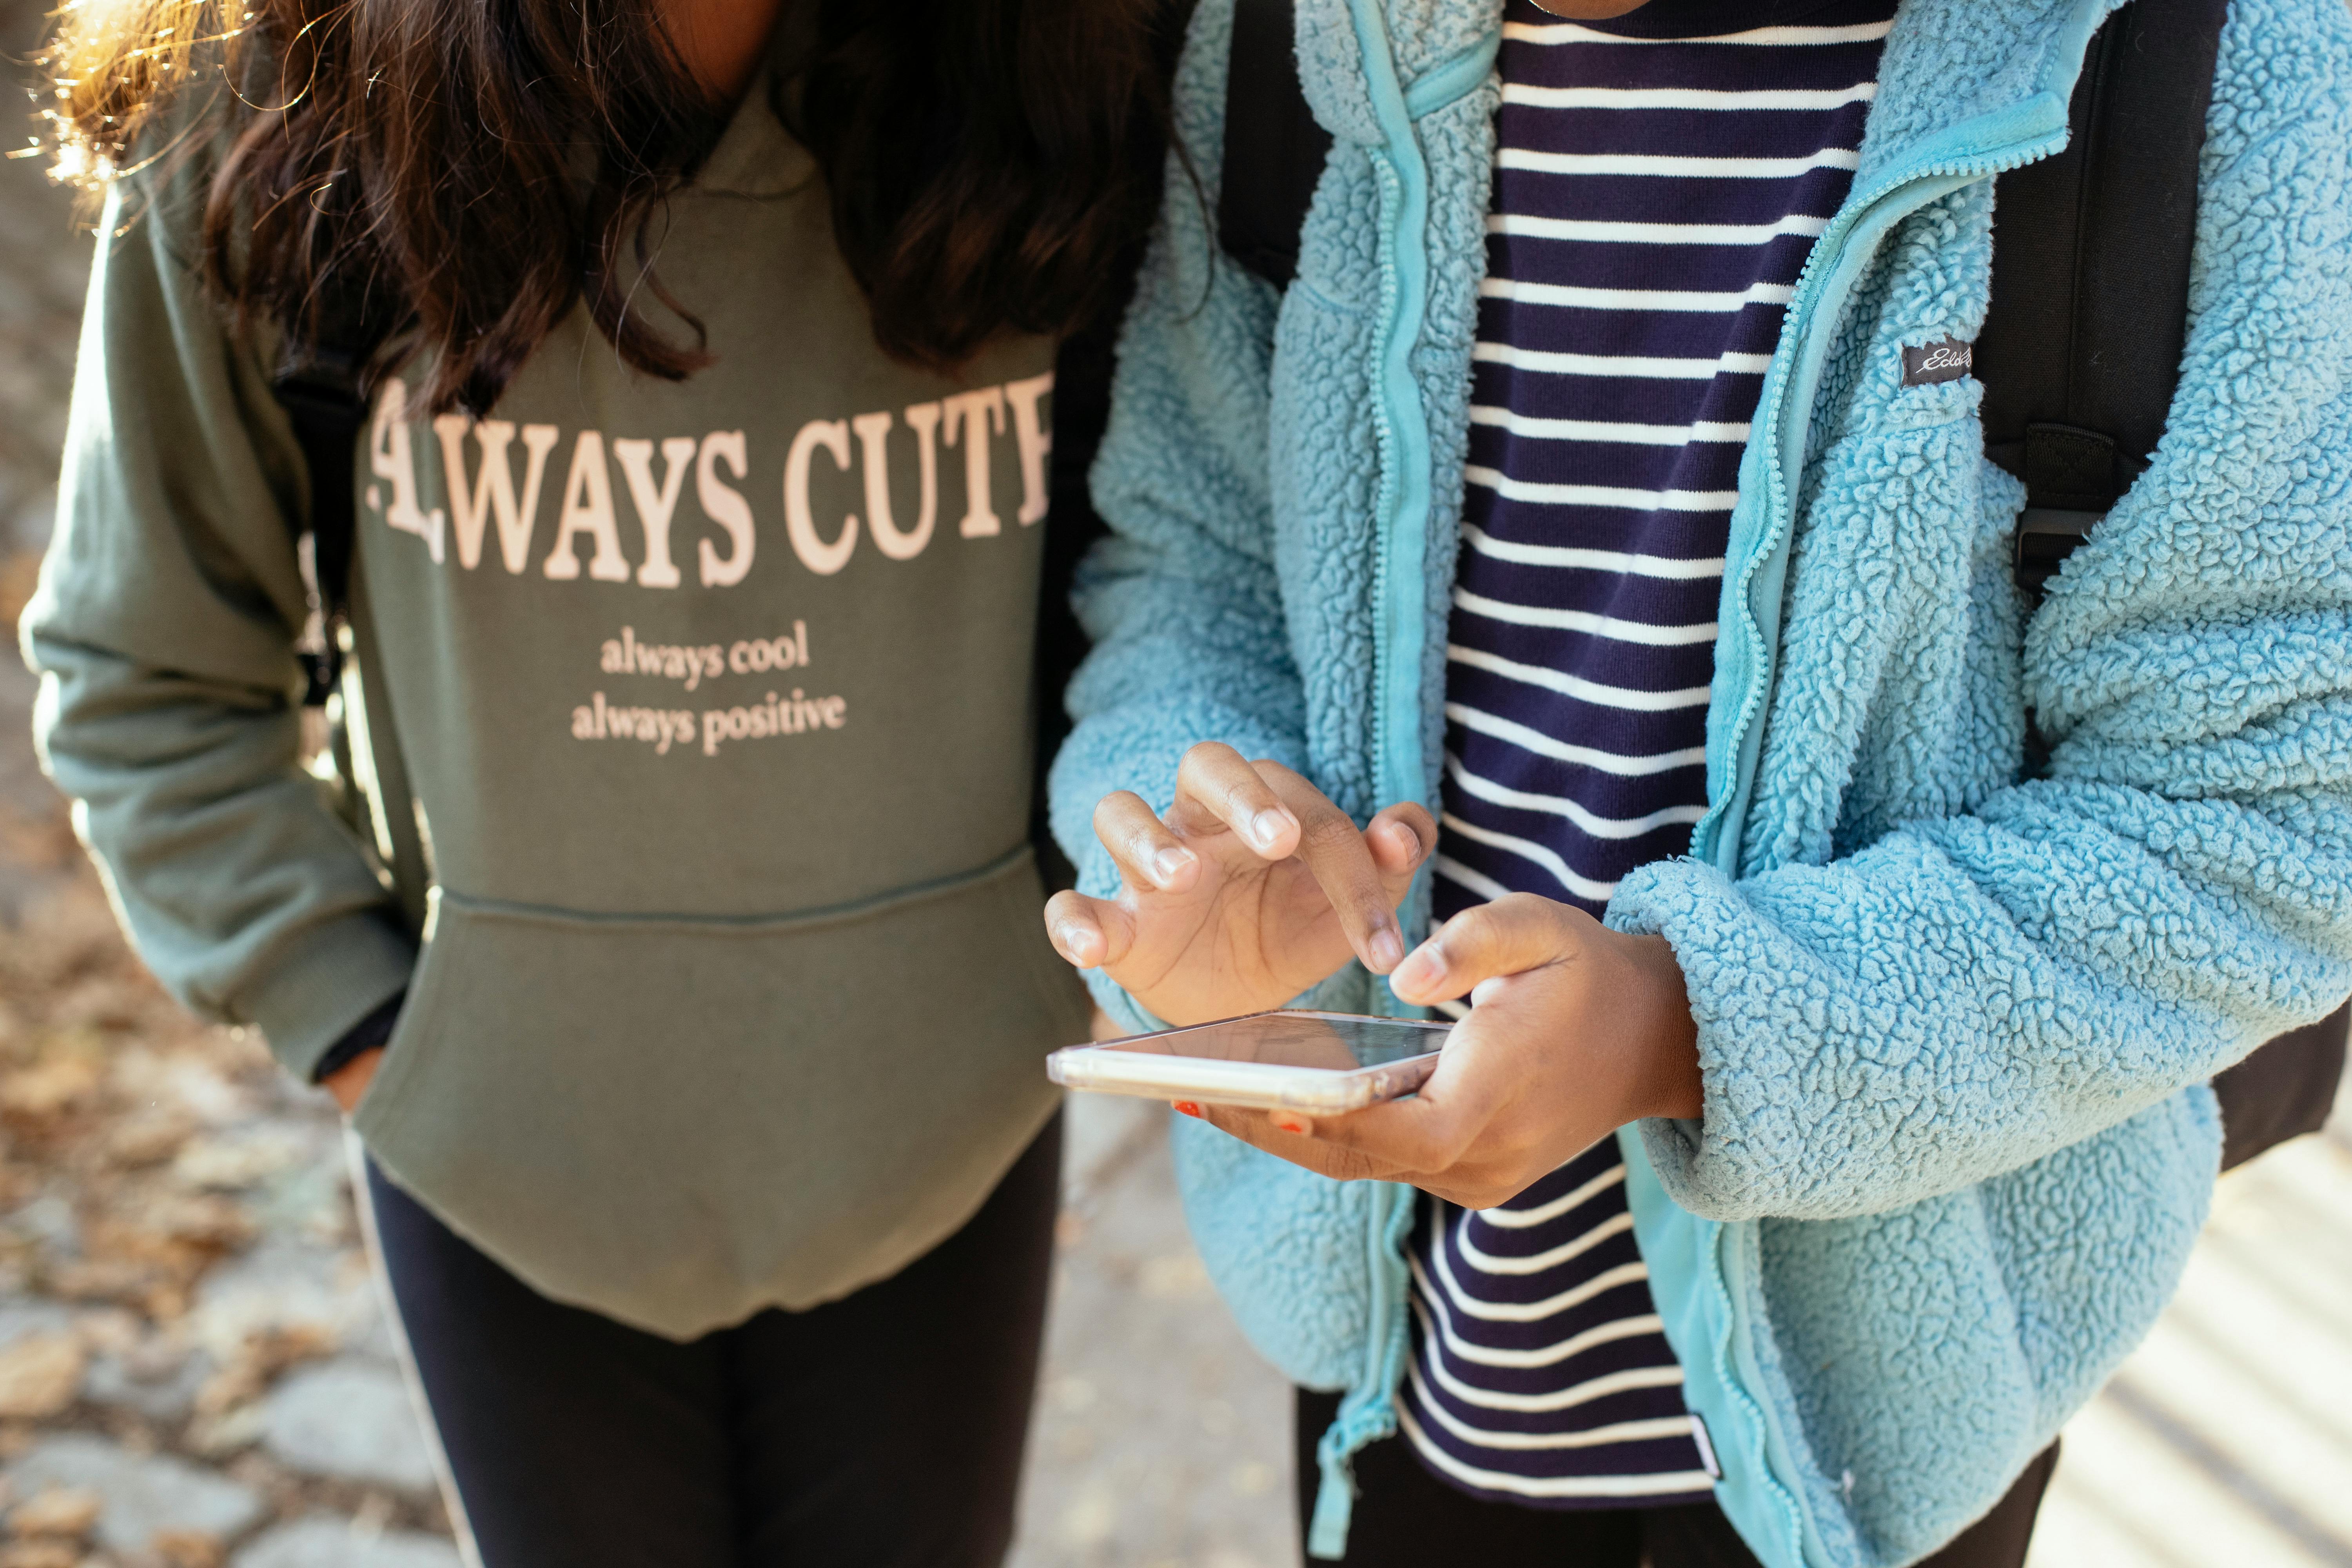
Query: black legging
x,y
1407,1517
883,1430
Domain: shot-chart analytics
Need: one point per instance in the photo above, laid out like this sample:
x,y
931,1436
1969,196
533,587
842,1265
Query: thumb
x,y
1510,936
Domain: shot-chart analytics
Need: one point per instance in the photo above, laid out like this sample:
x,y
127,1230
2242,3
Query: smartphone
x,y
1320,1063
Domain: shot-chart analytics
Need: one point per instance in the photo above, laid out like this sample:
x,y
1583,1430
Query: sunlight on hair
x,y
109,64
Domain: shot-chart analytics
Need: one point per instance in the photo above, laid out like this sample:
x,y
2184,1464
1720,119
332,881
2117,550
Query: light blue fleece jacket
x,y
1954,1025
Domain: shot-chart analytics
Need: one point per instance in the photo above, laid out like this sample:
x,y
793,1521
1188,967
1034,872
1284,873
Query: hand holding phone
x,y
1324,1063
1252,889
1577,1029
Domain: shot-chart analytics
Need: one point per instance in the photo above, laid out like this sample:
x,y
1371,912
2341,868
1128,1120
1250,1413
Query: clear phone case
x,y
1324,1063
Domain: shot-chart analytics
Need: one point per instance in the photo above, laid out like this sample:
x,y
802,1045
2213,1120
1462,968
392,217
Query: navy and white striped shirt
x,y
1659,182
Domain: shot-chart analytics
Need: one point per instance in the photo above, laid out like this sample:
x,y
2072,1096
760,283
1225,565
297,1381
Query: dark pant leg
x,y
1998,1540
885,1430
1703,1538
1406,1518
575,1442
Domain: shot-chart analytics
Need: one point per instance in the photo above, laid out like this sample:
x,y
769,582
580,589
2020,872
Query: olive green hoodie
x,y
714,704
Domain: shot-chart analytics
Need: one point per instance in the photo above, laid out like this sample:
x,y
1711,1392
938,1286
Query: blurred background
x,y
194,1371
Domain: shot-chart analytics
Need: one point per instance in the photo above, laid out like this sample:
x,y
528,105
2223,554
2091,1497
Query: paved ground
x,y
2228,1438
1162,1441
194,1370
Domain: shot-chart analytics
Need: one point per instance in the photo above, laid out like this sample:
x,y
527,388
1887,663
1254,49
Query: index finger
x,y
1333,849
1218,788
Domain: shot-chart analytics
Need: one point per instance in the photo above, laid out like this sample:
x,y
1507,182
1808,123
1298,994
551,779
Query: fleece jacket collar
x,y
2023,49
1968,89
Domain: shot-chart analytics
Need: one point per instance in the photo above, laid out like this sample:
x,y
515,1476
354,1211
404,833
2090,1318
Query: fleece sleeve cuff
x,y
1684,901
324,984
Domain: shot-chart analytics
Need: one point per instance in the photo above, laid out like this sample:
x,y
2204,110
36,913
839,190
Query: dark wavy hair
x,y
468,170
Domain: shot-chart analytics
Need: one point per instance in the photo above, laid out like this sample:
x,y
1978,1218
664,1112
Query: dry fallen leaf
x,y
258,1360
151,1249
185,1548
41,1551
115,1001
19,573
40,1374
230,1163
110,1331
60,1510
50,1088
100,1279
147,1138
186,1219
231,1431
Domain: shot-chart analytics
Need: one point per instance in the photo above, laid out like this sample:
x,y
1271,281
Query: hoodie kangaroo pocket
x,y
680,1121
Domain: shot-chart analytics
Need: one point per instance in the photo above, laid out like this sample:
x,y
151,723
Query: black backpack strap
x,y
382,767
323,390
2081,352
2080,357
320,390
1082,377
1275,149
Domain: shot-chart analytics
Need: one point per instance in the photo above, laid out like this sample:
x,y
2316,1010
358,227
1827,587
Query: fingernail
x,y
1407,840
1170,863
1066,941
1425,967
1184,1107
1266,828
1288,1121
1387,949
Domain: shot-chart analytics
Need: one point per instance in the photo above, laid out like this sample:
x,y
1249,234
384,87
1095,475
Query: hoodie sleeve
x,y
163,632
1970,994
1181,600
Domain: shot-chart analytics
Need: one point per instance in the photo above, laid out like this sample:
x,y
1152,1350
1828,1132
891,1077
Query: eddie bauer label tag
x,y
1933,362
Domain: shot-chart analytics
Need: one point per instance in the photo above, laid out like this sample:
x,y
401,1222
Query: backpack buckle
x,y
2045,536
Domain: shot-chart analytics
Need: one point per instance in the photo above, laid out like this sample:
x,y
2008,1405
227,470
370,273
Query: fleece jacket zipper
x,y
1400,637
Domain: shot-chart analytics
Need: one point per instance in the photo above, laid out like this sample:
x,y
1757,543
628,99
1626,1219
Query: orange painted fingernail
x,y
1186,1108
1288,1121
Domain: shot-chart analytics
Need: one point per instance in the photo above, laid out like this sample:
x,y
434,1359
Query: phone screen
x,y
1334,1041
